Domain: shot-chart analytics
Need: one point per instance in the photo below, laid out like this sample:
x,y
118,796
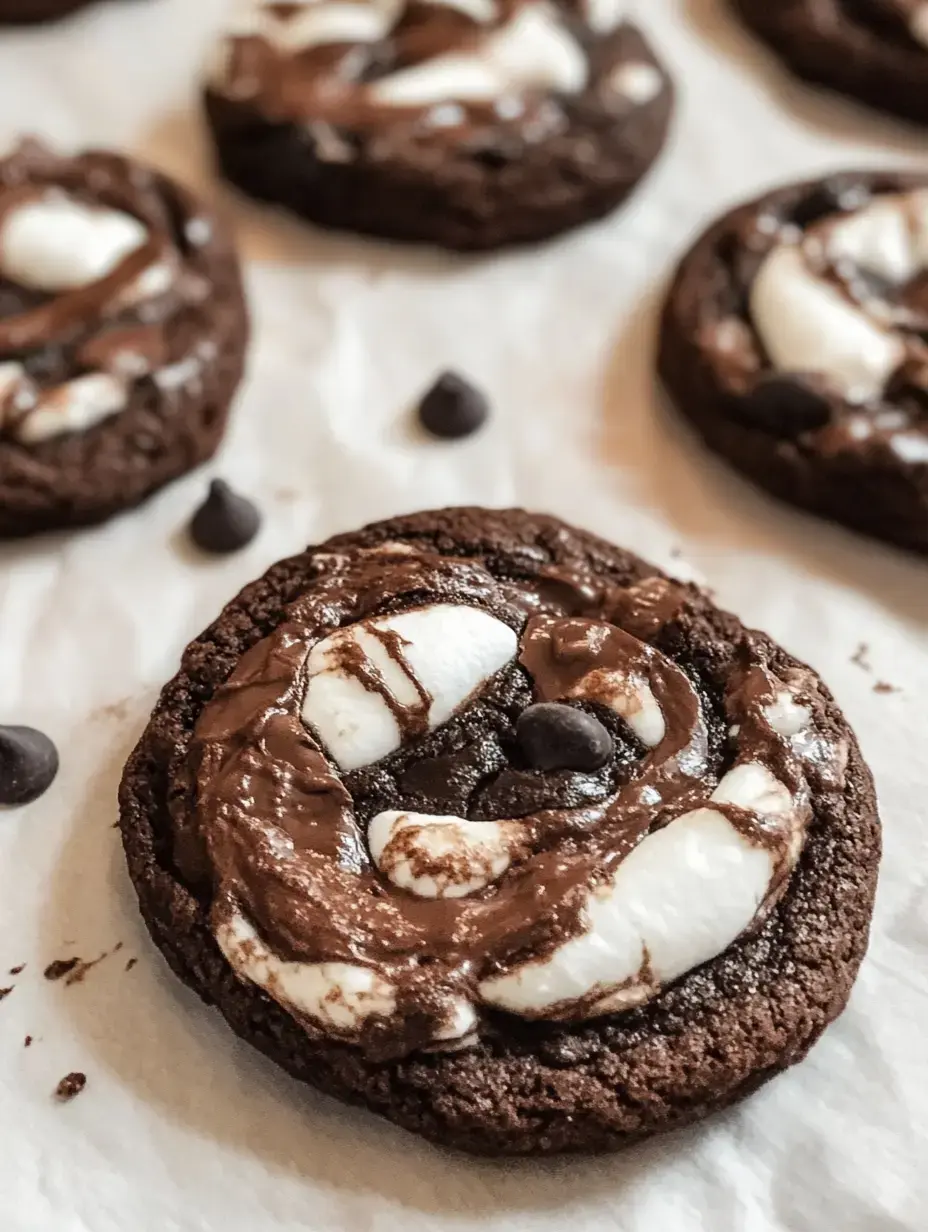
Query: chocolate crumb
x,y
61,967
883,686
860,657
27,1042
5,992
18,970
131,963
70,1085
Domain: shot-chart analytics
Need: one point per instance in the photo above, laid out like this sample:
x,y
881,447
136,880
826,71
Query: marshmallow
x,y
786,716
639,83
911,447
752,786
918,24
445,650
631,698
481,11
58,244
71,407
604,16
532,50
314,24
339,996
679,899
807,325
440,857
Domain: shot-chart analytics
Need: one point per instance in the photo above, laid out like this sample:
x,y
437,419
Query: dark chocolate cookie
x,y
873,50
122,336
32,12
465,123
340,836
794,337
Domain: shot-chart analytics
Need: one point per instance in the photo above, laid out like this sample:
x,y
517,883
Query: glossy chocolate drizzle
x,y
274,835
330,83
113,325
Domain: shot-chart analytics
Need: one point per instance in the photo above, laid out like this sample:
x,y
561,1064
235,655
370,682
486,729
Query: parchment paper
x,y
180,1127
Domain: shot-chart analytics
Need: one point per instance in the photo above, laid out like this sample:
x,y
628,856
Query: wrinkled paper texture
x,y
183,1129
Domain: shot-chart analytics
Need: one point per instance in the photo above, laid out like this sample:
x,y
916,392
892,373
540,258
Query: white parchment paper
x,y
180,1127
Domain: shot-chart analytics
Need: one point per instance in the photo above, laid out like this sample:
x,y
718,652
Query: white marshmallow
x,y
751,785
888,237
807,325
450,649
680,898
336,21
532,50
639,83
14,388
911,447
786,716
58,244
339,996
918,24
462,856
481,11
604,16
72,407
461,1020
635,702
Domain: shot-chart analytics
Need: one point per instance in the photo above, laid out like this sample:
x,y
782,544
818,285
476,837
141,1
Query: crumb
x,y
676,553
60,967
73,970
27,1042
860,657
883,686
18,970
131,963
5,992
70,1085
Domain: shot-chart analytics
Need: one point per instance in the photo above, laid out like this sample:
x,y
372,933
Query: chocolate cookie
x,y
465,123
873,50
795,337
32,12
122,336
347,831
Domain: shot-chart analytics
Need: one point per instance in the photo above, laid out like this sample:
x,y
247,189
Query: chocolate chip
x,y
785,404
557,737
70,1085
28,764
452,407
225,521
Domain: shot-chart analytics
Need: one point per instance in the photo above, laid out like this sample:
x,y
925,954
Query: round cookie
x,y
875,51
343,838
122,336
793,337
32,12
469,124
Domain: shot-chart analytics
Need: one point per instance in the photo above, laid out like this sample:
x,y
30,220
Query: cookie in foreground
x,y
793,337
122,336
464,123
875,51
343,837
